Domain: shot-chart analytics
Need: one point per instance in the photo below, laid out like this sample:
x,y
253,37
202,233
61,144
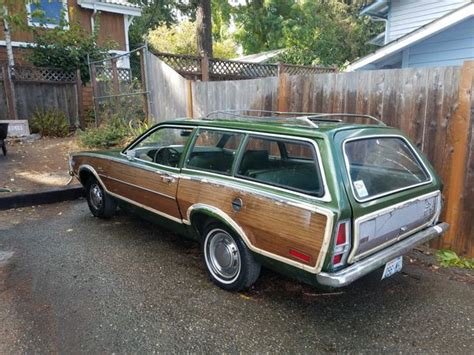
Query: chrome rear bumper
x,y
357,270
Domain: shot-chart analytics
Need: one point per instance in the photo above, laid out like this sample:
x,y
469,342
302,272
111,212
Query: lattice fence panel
x,y
184,64
191,67
226,68
105,74
307,70
42,75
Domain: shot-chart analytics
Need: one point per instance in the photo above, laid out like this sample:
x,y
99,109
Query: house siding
x,y
112,26
406,16
450,47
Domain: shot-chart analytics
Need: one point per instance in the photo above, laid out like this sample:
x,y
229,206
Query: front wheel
x,y
229,263
100,203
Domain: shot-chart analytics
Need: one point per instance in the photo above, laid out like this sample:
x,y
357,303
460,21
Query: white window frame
x,y
47,25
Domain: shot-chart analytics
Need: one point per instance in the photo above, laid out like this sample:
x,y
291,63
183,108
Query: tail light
x,y
342,245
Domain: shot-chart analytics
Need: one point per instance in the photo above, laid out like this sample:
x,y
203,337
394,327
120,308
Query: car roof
x,y
322,129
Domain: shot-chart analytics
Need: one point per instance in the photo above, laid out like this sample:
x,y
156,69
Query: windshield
x,y
378,166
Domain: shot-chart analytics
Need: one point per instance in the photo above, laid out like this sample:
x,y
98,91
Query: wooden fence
x,y
38,88
433,106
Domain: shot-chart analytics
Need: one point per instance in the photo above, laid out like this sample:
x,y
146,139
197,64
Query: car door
x,y
149,178
256,195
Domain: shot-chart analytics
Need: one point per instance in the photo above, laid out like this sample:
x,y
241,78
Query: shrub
x,y
50,123
114,132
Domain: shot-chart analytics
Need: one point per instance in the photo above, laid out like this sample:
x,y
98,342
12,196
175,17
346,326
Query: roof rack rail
x,y
290,118
329,117
306,119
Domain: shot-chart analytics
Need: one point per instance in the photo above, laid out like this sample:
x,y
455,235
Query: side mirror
x,y
131,154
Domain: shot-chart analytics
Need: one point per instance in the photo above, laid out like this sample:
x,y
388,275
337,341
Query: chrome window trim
x,y
147,134
325,198
255,136
192,145
92,170
415,153
353,257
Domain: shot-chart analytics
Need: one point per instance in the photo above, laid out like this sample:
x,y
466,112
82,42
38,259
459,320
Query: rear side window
x,y
378,166
214,151
282,163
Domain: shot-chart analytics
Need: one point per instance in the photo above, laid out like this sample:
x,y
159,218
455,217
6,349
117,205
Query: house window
x,y
47,13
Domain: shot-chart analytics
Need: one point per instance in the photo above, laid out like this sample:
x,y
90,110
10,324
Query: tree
x,y
68,47
204,28
156,13
181,39
328,32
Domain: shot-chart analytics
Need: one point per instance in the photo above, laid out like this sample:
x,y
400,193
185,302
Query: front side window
x,y
282,163
47,13
163,146
214,151
381,165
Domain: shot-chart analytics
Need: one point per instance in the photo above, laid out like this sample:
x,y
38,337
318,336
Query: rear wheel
x,y
100,203
229,263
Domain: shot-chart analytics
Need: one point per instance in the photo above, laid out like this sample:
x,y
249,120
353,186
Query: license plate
x,y
392,267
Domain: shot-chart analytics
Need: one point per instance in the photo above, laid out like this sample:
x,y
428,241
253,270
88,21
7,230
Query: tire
x,y
228,261
100,203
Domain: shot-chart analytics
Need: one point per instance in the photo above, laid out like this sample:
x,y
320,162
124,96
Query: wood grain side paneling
x,y
269,225
142,186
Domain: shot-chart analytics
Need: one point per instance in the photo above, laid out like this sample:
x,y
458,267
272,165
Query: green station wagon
x,y
308,195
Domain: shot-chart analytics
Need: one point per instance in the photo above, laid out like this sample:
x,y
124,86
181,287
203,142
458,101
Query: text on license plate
x,y
392,267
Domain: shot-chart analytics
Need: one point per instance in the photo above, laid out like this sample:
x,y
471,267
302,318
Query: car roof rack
x,y
304,119
289,118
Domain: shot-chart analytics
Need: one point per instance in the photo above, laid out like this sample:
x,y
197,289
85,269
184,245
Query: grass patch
x,y
448,258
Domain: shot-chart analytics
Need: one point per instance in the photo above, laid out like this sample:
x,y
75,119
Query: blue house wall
x,y
450,47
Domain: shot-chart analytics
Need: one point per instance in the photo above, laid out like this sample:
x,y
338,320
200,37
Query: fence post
x,y
116,84
9,93
80,99
95,93
189,99
457,142
143,52
204,68
282,89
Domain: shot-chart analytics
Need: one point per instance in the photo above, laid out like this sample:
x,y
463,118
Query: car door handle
x,y
167,178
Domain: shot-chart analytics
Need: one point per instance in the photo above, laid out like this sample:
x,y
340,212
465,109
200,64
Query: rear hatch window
x,y
382,165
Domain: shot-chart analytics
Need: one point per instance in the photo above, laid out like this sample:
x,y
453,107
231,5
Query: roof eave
x,y
411,38
113,8
378,8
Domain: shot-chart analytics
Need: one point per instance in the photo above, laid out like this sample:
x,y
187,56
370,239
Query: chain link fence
x,y
119,88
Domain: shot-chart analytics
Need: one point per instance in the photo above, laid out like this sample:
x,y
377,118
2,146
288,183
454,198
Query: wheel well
x,y
84,176
200,220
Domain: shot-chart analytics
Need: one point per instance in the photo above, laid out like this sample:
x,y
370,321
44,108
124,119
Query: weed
x,y
52,123
449,258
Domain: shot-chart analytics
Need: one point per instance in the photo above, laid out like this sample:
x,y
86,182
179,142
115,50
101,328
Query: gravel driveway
x,y
79,284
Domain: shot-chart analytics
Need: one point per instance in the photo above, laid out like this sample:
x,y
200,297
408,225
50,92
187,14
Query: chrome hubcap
x,y
222,255
96,196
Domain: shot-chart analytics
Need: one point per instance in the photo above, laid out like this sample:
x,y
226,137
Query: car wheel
x,y
100,203
229,263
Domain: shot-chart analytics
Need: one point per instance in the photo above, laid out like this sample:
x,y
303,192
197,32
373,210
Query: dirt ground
x,y
33,165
